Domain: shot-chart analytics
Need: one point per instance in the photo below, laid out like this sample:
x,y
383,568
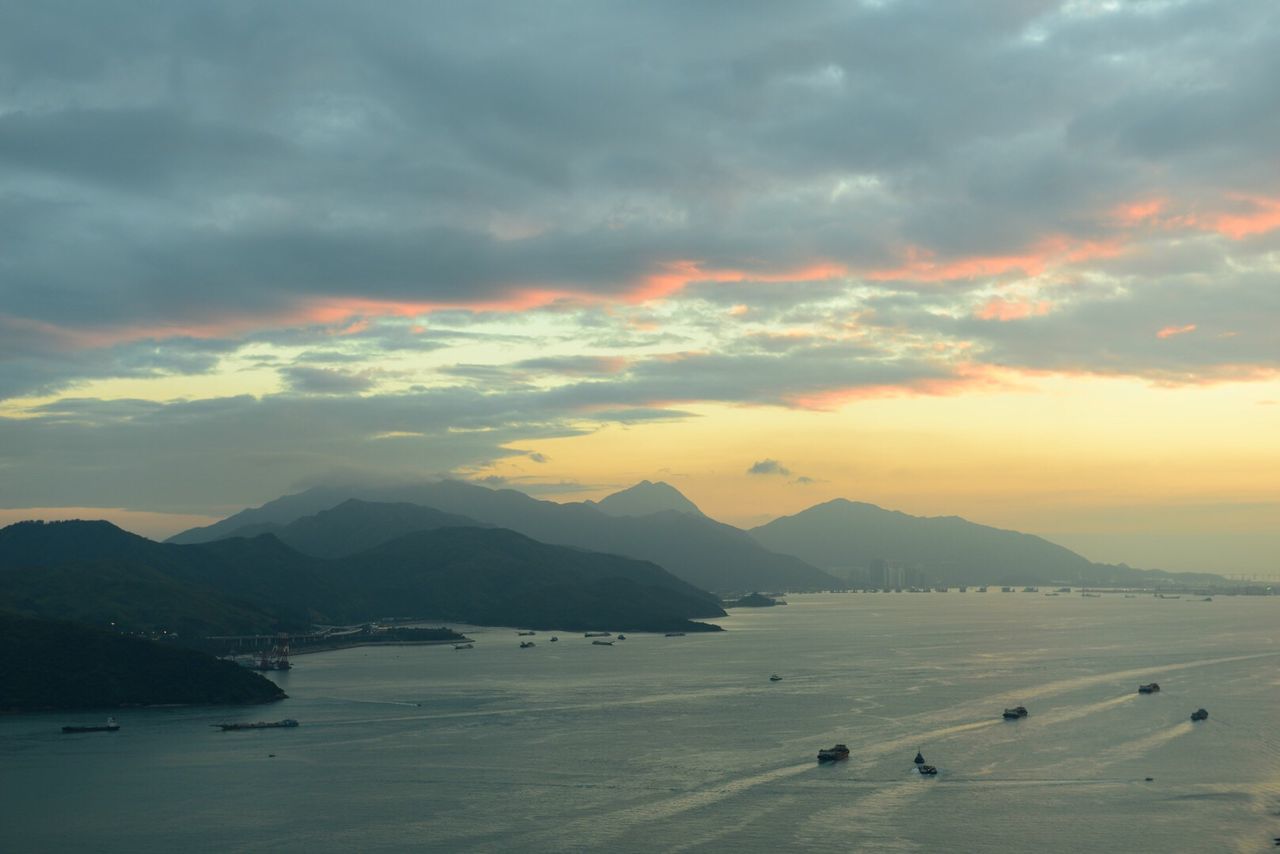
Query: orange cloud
x,y
676,275
1264,217
1170,331
1006,310
965,379
921,264
1134,213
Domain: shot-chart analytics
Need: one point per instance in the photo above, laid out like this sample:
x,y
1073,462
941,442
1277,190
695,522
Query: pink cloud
x,y
922,265
1170,331
1004,310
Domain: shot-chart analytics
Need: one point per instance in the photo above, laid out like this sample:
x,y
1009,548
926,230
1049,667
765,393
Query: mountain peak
x,y
645,498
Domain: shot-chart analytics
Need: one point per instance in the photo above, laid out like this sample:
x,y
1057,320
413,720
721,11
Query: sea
x,y
685,744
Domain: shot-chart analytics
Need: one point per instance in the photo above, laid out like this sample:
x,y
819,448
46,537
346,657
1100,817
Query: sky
x,y
1017,261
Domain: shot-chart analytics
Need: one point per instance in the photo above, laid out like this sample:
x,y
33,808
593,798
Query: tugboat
x,y
287,723
1149,688
1015,713
833,754
109,726
526,644
1199,715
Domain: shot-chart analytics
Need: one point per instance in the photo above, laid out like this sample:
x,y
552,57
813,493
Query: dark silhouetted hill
x,y
706,553
56,665
841,535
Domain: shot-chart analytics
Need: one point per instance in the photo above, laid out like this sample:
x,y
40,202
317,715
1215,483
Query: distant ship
x,y
109,726
526,644
1015,713
554,639
833,754
596,634
601,643
622,637
775,678
284,724
525,634
674,635
1199,715
1149,688
462,646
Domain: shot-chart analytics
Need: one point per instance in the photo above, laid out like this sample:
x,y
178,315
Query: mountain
x,y
706,553
94,572
354,526
644,498
846,535
49,664
498,577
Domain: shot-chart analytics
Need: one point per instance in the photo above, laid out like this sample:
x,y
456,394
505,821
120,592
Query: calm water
x,y
683,743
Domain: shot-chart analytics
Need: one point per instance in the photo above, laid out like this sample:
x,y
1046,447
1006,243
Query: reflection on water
x,y
684,743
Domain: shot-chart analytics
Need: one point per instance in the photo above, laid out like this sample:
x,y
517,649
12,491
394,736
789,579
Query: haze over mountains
x,y
706,553
829,545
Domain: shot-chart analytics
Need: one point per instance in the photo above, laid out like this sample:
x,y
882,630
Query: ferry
x,y
287,723
1015,713
109,726
1199,715
833,754
1149,688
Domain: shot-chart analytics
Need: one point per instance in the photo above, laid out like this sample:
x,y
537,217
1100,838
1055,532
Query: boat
x,y
1199,715
109,726
1207,599
919,758
622,637
1015,713
1006,589
554,639
526,644
596,634
525,634
927,770
287,723
1149,688
1091,595
463,646
775,678
601,643
674,635
833,754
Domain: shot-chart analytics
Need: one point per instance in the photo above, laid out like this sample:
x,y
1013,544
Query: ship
x,y
833,754
525,634
526,644
674,635
1149,688
601,643
287,723
1199,715
109,726
775,678
462,646
596,634
1015,713
927,770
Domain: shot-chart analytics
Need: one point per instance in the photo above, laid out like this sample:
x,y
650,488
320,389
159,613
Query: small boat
x,y
601,643
775,678
1199,715
1091,595
596,634
927,770
287,723
919,758
463,646
1149,688
109,726
554,639
833,754
622,637
674,635
1015,713
526,644
1207,599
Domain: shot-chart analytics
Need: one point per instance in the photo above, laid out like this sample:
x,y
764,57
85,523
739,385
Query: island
x,y
50,665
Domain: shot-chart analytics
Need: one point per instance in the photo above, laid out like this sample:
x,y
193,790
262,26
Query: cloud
x,y
538,458
769,467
